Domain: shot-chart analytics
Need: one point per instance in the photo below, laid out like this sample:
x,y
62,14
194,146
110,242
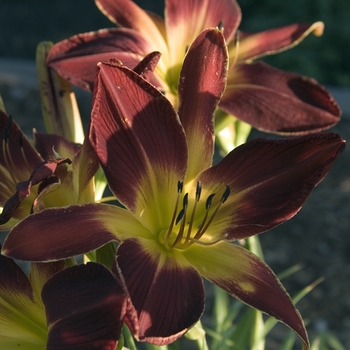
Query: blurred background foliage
x,y
24,23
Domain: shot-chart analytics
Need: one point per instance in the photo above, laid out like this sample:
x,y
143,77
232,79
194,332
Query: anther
x,y
226,194
180,216
209,201
180,185
221,26
198,191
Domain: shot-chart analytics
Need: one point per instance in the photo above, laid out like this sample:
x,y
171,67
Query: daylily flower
x,y
180,213
54,307
267,98
54,173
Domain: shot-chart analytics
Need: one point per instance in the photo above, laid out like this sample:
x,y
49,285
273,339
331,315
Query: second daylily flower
x,y
54,173
181,213
258,94
53,307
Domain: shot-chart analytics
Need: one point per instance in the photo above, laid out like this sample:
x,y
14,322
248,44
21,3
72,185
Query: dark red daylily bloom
x,y
267,98
181,214
79,307
54,173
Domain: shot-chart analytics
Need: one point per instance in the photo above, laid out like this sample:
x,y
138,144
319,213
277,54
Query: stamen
x,y
203,227
180,186
198,196
183,221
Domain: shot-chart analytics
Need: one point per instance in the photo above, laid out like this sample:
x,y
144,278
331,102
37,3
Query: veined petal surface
x,y
75,58
255,45
22,317
165,290
85,306
186,19
140,143
269,180
202,82
59,233
303,106
243,275
129,15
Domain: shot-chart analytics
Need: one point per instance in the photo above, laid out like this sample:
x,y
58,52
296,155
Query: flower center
x,y
181,233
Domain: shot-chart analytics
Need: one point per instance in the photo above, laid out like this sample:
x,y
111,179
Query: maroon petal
x,y
138,138
41,173
75,59
128,14
186,19
51,146
269,180
201,85
254,45
85,306
277,101
243,275
146,67
167,294
59,233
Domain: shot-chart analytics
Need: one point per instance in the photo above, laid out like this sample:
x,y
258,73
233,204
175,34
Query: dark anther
x,y
180,186
226,194
185,201
198,190
221,26
209,201
180,216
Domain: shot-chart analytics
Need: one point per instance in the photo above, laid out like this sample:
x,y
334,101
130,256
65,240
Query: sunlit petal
x,y
75,58
201,85
303,106
246,277
186,19
128,14
255,45
139,141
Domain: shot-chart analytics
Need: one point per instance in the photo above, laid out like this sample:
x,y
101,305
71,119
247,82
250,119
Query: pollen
x,y
182,233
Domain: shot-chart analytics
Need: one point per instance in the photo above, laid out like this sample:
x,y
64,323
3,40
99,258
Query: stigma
x,y
182,232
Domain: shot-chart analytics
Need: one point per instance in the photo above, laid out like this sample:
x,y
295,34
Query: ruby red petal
x,y
254,45
59,233
75,59
137,136
269,180
202,82
168,297
303,106
186,19
85,306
